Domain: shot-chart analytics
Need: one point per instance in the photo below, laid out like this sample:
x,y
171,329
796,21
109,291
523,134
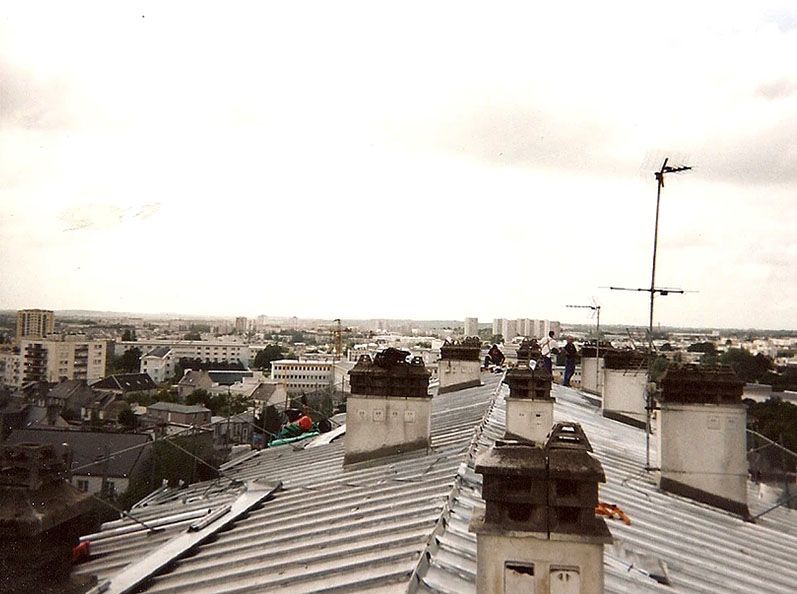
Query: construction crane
x,y
338,336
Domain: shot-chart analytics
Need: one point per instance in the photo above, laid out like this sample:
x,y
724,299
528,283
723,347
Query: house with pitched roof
x,y
122,384
93,470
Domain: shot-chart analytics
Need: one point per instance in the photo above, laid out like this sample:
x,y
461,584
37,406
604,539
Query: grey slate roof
x,y
226,377
159,351
126,382
401,524
89,446
178,408
192,377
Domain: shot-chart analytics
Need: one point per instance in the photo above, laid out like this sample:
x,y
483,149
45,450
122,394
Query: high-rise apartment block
x,y
471,326
497,324
525,327
35,323
54,360
241,325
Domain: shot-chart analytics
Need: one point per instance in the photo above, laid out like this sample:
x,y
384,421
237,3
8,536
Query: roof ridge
x,y
432,544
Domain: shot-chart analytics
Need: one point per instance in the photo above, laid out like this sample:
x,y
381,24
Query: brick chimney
x,y
702,438
539,530
389,409
460,365
625,378
41,518
529,406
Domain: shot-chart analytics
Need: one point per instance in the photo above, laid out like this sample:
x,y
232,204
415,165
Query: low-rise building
x,y
10,369
158,364
70,396
235,429
192,381
303,375
181,414
205,350
94,469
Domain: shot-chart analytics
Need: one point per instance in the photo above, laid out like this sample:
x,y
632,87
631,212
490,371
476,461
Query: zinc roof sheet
x,y
401,523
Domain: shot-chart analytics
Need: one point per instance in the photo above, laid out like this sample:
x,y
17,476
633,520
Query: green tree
x,y
702,347
326,407
777,420
658,367
749,367
129,362
270,421
218,404
192,336
129,334
127,419
270,353
194,460
497,339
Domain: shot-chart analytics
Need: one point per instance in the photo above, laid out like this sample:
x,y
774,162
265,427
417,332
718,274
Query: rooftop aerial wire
x,y
659,175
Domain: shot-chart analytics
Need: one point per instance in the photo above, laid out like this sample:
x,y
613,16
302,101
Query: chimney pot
x,y
389,409
459,366
540,511
702,436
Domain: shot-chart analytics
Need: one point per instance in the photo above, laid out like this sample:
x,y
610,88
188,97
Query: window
x,y
82,485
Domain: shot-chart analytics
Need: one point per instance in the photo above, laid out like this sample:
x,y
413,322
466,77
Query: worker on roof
x,y
571,353
548,346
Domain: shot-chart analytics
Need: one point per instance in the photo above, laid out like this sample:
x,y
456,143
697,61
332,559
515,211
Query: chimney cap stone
x,y
513,458
392,372
701,384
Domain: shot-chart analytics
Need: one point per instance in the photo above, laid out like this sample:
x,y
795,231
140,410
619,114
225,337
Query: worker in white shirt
x,y
547,345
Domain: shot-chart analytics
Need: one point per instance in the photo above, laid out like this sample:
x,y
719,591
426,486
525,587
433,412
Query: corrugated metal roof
x,y
704,549
361,527
401,523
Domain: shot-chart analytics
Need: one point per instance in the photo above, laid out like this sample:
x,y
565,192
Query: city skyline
x,y
428,163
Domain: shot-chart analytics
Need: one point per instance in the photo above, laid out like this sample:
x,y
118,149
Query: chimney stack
x,y
41,518
529,406
460,365
539,530
592,371
702,436
625,378
389,409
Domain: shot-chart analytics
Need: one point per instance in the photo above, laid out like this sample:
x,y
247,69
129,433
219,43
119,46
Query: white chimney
x,y
702,436
460,365
529,406
625,378
389,410
592,370
539,531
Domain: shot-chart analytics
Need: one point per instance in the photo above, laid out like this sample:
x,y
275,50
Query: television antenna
x,y
597,310
653,290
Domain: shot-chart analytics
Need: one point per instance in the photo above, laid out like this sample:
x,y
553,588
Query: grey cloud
x,y
767,157
29,103
778,89
104,216
785,20
526,137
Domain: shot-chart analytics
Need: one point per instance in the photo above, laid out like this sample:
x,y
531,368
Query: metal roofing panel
x,y
401,524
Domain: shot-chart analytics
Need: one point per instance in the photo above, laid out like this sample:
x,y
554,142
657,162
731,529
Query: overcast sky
x,y
430,160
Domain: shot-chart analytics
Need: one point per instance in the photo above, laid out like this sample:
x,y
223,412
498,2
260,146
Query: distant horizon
x,y
485,322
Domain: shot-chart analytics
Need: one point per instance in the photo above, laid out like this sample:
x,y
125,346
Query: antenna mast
x,y
597,309
659,175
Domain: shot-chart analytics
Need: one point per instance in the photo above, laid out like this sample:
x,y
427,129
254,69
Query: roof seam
x,y
432,543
